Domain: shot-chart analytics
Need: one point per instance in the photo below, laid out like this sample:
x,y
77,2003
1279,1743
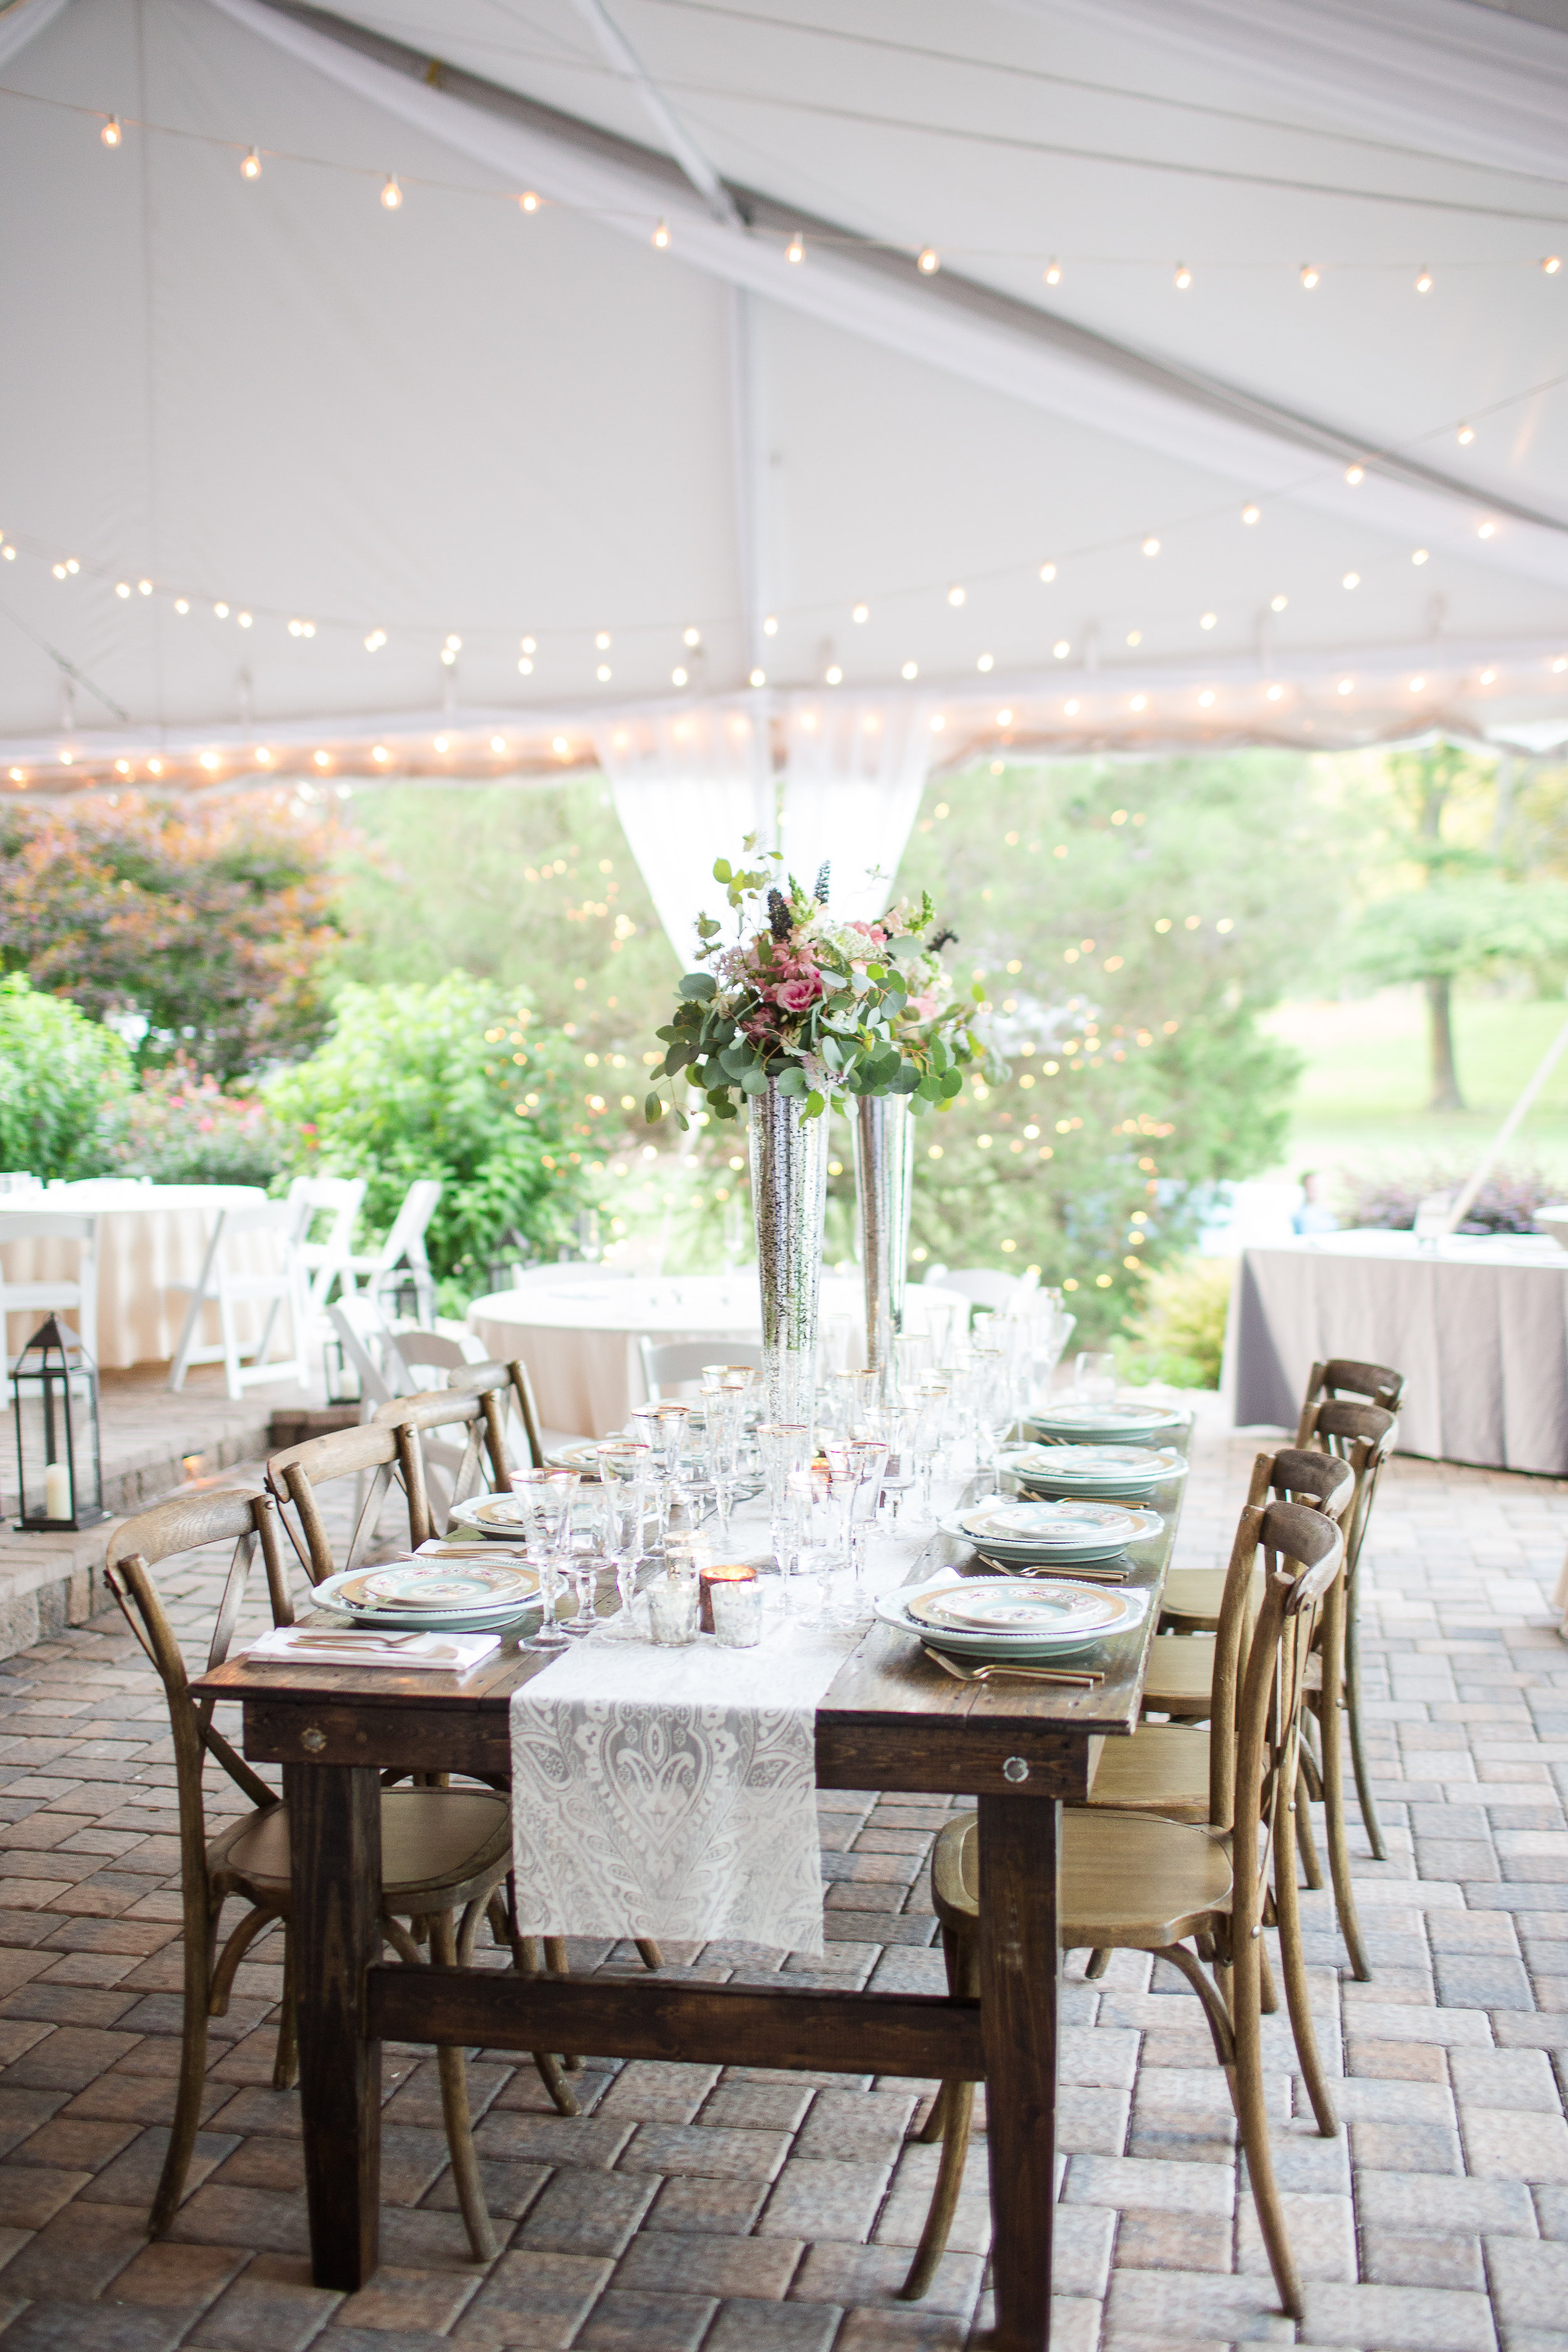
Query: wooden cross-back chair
x,y
494,1379
1342,1378
1361,1436
444,1851
477,1413
1195,1895
376,1457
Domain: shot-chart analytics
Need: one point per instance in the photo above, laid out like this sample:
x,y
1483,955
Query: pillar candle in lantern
x,y
733,1573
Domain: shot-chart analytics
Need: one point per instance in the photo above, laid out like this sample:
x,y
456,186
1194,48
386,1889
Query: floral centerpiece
x,y
815,1006
800,1011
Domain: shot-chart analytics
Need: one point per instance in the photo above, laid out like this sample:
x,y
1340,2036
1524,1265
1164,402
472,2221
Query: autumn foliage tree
x,y
208,921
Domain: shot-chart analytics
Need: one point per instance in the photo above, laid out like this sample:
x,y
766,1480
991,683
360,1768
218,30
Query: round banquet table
x,y
149,1235
579,1335
1479,1325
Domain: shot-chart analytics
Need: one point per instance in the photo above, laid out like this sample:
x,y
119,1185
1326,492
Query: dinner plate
x,y
958,1642
347,1591
1090,1423
584,1459
420,1584
1012,1606
1092,1471
494,1515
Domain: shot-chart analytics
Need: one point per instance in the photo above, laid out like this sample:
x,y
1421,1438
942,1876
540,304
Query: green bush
x,y
1179,1334
63,1083
456,1081
184,1128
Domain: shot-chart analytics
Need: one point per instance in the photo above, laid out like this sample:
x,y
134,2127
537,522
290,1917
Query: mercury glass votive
x,y
737,1606
710,1579
672,1611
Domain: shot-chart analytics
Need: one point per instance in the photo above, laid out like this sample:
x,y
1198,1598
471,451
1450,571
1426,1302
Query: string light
x,y
455,644
1356,475
392,195
1251,514
601,642
1061,649
795,249
1419,555
122,587
1151,547
1071,709
381,754
1486,529
1417,686
529,201
1277,604
1551,264
1351,580
560,745
677,677
1208,621
956,595
525,667
442,744
691,637
1346,686
1184,277
181,605
771,626
1489,678
1139,702
833,675
251,167
221,611
985,662
498,742
1134,636
9,552
660,238
1053,272
1308,277
1004,718
602,673
1424,282
861,613
209,761
1206,698
1465,435
910,669
758,677
155,767
374,642
263,756
929,262
111,134
321,759
1047,573
1275,693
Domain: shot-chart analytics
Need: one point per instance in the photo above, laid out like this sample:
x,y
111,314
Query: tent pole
x,y
1504,1135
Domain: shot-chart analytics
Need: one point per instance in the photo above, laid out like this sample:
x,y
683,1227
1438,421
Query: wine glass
x,y
546,1496
1095,1378
623,1472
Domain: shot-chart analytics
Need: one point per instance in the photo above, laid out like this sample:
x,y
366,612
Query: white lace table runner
x,y
672,1792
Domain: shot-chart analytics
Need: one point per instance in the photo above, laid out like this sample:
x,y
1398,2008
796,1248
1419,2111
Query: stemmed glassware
x,y
662,1427
1096,1378
546,1497
623,1475
786,1453
869,1462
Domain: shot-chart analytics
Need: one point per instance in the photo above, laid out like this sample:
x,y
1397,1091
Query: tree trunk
x,y
1445,1094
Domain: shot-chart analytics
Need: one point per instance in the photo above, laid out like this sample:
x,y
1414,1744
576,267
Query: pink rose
x,y
924,1008
797,996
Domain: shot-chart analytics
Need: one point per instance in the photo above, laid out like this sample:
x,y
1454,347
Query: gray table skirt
x,y
1483,1342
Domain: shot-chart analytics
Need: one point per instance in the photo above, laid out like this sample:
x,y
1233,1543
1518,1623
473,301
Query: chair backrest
x,y
294,1475
1361,1436
1341,1376
682,1360
430,1349
48,1224
407,1237
1297,1474
134,1549
491,1379
983,1285
412,1416
1303,1558
336,1197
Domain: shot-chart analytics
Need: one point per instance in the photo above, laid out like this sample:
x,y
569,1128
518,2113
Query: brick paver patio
x,y
739,2210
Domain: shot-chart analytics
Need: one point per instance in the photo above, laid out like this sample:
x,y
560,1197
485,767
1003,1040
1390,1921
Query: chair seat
x,y
1194,1593
1180,1675
1126,1881
1163,1768
438,1848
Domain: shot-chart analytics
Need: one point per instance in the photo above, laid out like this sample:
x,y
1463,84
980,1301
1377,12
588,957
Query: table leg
x,y
334,1832
1020,1968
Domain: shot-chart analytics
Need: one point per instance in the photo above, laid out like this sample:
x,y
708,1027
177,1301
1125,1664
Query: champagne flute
x,y
623,1474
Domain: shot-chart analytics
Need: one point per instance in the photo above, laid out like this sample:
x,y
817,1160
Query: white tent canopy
x,y
697,383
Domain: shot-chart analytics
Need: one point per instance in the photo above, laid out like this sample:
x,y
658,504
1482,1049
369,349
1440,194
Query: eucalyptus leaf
x,y
698,984
653,1111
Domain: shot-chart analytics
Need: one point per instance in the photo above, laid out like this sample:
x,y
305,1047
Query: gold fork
x,y
1085,1680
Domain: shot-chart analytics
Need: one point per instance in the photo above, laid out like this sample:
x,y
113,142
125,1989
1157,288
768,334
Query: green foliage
x,y
1456,929
209,922
63,1083
457,1080
1178,1334
183,1128
1129,922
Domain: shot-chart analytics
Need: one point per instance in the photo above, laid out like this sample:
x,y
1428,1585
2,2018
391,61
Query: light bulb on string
x,y
527,645
181,605
771,626
145,587
527,202
1465,435
660,238
1183,278
1424,282
795,249
1310,277
1277,604
111,134
861,613
1053,272
374,642
677,677
1209,621
392,195
1061,649
1134,636
1552,263
758,677
1251,514
1418,555
525,667
833,675
956,595
1486,529
1151,547
691,638
122,587
912,669
1356,475
985,662
250,169
1351,580
929,262
602,673
1047,573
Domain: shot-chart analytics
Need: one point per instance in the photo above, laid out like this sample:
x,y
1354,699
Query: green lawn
x,y
1361,1101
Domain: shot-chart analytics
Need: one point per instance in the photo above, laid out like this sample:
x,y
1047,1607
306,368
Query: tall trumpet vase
x,y
884,1185
789,1202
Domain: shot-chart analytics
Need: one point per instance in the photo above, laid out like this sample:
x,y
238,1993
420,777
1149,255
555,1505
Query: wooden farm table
x,y
890,1720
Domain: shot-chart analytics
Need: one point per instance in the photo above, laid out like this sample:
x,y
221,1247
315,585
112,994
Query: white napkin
x,y
350,1645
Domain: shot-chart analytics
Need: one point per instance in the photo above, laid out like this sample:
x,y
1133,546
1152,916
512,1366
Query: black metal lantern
x,y
59,1469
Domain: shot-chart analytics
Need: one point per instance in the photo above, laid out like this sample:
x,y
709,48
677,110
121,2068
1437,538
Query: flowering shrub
x,y
821,1007
182,1128
63,1083
1505,1203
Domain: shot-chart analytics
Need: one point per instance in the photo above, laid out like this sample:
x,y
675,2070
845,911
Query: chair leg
x,y
452,2068
932,2130
556,1961
1334,1826
954,2105
502,1916
286,2058
199,1939
1246,2073
1307,1845
649,1953
1287,1906
1097,1964
1357,1737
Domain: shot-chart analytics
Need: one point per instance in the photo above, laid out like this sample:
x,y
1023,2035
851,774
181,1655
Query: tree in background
x,y
64,1081
1130,920
457,1081
207,921
1459,917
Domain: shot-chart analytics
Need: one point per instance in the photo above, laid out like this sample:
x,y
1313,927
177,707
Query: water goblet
x,y
623,1470
1095,1378
869,1460
546,1497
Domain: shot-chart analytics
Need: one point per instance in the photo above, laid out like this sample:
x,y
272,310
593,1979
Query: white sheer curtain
x,y
855,774
689,788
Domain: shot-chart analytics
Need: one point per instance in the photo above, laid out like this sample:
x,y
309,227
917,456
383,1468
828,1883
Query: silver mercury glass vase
x,y
789,1202
884,1184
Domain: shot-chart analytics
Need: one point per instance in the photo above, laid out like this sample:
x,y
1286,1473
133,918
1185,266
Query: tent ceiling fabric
x,y
457,420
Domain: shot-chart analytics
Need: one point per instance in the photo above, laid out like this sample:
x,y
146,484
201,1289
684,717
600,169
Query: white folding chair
x,y
388,1364
338,1199
671,1361
380,1270
77,1300
980,1285
226,1287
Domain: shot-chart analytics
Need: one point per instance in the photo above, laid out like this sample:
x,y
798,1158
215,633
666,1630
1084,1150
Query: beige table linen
x,y
149,1235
